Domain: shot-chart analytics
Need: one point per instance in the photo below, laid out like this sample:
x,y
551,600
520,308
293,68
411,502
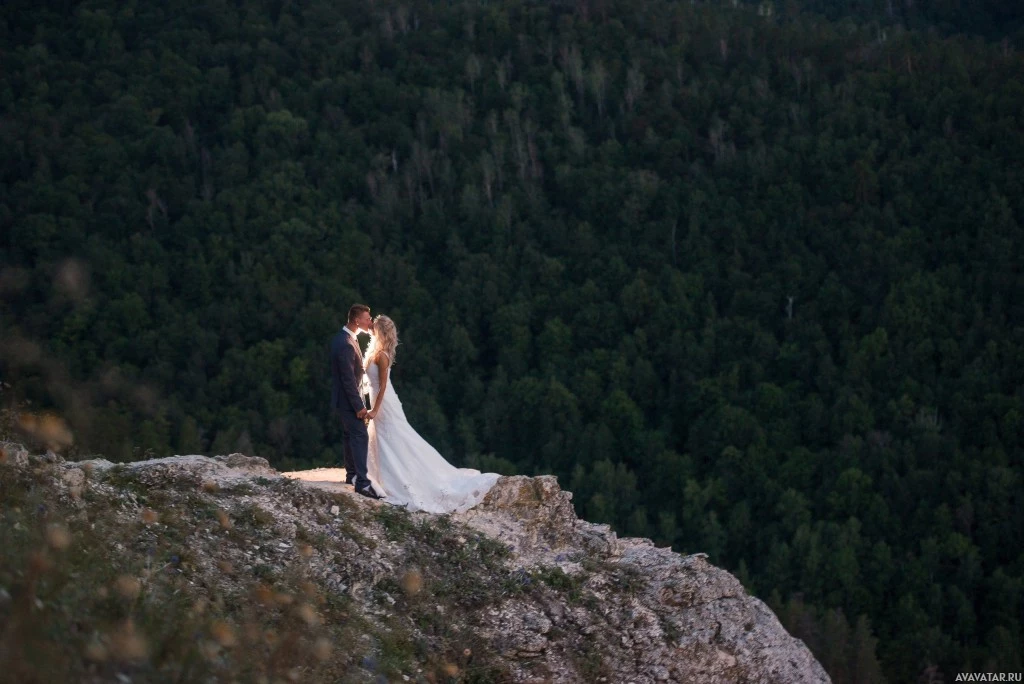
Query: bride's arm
x,y
383,363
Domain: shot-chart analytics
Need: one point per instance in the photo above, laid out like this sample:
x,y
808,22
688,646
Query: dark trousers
x,y
356,441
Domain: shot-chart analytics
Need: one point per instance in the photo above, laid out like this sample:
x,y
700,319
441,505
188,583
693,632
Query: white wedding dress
x,y
406,470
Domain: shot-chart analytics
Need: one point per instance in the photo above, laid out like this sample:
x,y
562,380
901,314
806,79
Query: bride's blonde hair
x,y
385,339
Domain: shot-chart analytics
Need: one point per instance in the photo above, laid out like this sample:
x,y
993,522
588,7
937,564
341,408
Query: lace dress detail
x,y
407,470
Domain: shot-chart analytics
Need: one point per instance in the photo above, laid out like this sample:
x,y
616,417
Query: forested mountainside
x,y
992,19
749,285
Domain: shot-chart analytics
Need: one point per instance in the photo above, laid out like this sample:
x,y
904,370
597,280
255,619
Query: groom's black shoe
x,y
350,480
369,493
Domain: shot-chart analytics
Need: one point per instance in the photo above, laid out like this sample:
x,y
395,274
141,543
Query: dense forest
x,y
746,279
994,19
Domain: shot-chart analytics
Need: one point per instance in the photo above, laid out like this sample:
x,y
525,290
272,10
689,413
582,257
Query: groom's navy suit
x,y
346,374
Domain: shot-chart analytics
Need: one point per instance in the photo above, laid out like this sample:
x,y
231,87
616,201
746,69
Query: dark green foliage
x,y
991,18
748,285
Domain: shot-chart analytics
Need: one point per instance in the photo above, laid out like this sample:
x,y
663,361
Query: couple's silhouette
x,y
384,455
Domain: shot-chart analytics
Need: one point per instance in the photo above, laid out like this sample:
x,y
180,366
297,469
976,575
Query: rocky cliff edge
x,y
244,558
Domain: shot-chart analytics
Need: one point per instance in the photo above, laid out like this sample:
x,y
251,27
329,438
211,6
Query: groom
x,y
346,374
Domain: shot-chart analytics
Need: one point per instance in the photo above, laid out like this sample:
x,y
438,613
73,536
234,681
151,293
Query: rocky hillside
x,y
222,569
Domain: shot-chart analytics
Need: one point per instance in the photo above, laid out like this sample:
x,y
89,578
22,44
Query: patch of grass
x,y
556,578
485,673
431,622
281,485
670,630
629,579
398,523
397,650
470,585
516,583
76,598
318,540
91,597
459,564
127,479
200,507
20,486
254,515
346,528
264,572
589,663
389,586
479,670
435,531
491,550
626,578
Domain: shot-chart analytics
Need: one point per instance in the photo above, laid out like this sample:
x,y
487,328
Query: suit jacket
x,y
346,373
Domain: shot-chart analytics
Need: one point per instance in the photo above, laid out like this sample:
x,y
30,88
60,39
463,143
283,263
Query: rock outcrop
x,y
515,589
659,616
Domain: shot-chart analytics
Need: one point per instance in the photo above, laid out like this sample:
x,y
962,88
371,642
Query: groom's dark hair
x,y
355,310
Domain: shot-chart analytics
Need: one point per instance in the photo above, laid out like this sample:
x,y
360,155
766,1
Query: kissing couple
x,y
384,456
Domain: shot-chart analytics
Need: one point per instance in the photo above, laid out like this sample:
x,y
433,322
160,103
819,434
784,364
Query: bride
x,y
402,465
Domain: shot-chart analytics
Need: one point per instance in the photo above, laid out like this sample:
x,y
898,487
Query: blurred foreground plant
x,y
76,603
